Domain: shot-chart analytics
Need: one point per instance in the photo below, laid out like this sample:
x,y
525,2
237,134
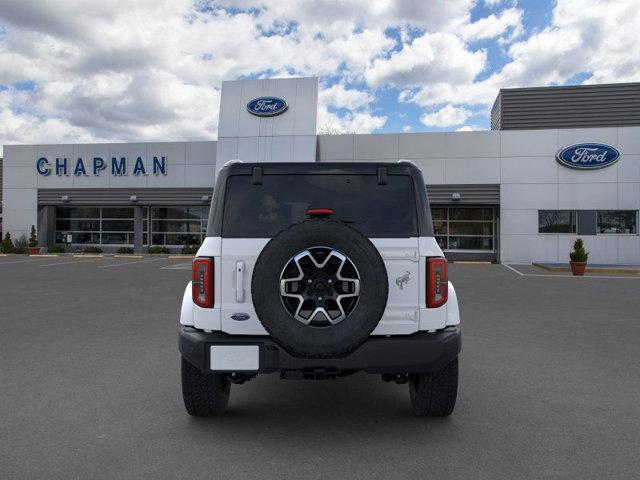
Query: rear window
x,y
281,200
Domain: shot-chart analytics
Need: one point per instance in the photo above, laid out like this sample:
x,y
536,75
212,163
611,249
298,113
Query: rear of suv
x,y
318,271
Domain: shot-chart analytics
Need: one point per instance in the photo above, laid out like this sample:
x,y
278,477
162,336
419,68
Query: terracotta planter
x,y
34,250
578,268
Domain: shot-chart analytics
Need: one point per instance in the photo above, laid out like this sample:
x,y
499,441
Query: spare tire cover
x,y
319,288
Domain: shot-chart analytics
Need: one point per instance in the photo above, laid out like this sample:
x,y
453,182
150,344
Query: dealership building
x,y
559,163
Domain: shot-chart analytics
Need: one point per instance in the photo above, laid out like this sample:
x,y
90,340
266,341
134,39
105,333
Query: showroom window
x,y
618,222
178,225
95,225
557,221
463,228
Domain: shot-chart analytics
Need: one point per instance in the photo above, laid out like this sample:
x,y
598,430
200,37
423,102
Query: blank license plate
x,y
232,358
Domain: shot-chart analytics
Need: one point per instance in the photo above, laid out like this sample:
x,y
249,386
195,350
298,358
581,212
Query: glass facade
x,y
95,225
588,222
557,221
618,221
464,228
178,225
169,226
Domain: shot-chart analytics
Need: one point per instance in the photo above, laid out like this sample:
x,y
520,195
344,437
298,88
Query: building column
x,y
46,229
138,228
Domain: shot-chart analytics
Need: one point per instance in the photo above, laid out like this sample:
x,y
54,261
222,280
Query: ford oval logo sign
x,y
240,317
588,156
267,106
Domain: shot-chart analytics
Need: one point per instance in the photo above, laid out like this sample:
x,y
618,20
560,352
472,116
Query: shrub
x,y
92,249
190,249
7,244
55,249
158,249
579,254
21,245
33,238
125,251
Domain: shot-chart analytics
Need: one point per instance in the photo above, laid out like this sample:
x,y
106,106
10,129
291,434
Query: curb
x,y
180,256
589,270
88,255
127,255
473,262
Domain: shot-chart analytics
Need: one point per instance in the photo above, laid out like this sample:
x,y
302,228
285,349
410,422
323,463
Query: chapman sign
x,y
588,156
267,106
96,165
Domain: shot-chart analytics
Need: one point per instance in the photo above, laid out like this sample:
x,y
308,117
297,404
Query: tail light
x,y
202,282
437,282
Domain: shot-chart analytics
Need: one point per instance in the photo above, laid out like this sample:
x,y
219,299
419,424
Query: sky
x,y
77,71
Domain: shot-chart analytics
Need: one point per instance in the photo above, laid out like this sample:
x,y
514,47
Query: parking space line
x,y
179,266
21,261
70,263
513,269
129,263
618,277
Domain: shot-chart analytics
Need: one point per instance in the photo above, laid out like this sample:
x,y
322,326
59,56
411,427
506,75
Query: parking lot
x,y
90,385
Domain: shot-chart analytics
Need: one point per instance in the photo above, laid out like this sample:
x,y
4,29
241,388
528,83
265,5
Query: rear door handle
x,y
239,281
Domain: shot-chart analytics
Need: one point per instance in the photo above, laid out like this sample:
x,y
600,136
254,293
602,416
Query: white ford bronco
x,y
319,271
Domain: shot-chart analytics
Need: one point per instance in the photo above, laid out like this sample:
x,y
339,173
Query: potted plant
x,y
33,242
578,258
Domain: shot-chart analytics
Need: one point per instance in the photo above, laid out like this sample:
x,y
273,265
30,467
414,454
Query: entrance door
x,y
466,233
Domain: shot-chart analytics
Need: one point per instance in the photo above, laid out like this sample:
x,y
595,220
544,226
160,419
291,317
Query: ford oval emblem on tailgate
x,y
240,317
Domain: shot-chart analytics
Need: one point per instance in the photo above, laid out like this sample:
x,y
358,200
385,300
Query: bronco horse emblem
x,y
403,279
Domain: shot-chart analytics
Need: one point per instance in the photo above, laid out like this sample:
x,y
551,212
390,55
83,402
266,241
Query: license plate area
x,y
234,358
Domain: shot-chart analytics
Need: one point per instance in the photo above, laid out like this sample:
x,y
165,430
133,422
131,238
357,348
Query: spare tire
x,y
319,288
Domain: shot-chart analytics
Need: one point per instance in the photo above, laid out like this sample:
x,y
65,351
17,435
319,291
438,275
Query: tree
x,y
33,238
7,244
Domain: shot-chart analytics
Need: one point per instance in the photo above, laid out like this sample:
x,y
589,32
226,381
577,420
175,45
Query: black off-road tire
x,y
433,394
204,394
338,339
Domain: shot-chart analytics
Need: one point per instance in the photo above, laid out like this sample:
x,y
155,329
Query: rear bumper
x,y
420,352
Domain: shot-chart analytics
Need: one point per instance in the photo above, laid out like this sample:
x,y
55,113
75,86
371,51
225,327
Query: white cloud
x,y
407,128
469,128
432,57
151,69
509,20
447,116
583,37
351,122
338,96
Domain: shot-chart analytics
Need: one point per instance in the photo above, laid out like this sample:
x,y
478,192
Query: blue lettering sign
x,y
139,167
118,167
159,166
79,170
42,165
588,156
61,166
98,165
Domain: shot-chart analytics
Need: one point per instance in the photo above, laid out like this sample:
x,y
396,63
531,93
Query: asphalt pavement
x,y
90,386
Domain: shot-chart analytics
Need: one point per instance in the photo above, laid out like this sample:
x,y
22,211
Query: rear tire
x,y
433,394
204,394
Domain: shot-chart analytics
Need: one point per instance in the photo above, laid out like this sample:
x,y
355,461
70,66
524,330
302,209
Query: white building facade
x,y
499,195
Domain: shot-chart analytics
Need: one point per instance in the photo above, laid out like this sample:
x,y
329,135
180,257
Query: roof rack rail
x,y
231,162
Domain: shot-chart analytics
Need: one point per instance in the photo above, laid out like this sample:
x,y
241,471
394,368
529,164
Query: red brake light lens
x,y
437,282
202,282
320,212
